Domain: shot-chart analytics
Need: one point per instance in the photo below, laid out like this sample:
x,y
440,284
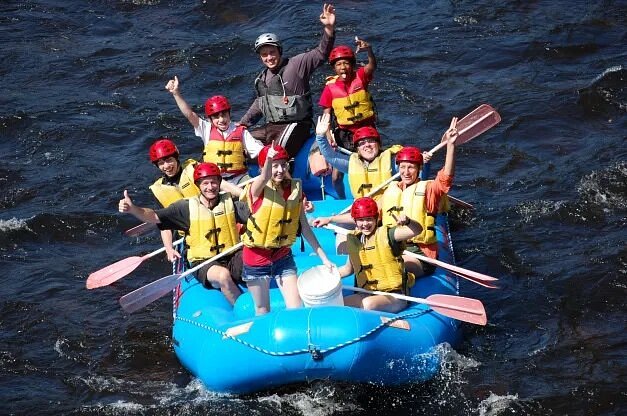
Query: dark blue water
x,y
83,97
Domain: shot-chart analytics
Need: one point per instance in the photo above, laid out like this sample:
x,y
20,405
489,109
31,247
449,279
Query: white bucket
x,y
319,286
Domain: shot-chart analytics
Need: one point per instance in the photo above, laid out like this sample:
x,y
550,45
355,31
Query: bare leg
x,y
355,301
260,291
220,277
289,290
413,265
384,303
338,183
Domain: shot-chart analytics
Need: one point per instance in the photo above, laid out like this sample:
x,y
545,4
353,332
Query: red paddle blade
x,y
459,202
140,229
460,308
145,295
478,121
113,272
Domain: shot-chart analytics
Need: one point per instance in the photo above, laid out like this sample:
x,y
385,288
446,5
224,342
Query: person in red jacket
x,y
346,98
346,95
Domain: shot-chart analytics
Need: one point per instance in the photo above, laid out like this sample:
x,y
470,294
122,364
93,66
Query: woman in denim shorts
x,y
275,203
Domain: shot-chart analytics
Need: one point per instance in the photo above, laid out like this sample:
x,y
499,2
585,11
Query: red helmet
x,y
409,154
364,207
215,104
163,147
366,132
263,154
205,169
341,52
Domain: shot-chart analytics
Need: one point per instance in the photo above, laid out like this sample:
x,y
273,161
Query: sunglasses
x,y
366,141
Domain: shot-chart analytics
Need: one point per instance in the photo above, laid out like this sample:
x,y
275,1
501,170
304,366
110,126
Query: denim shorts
x,y
281,268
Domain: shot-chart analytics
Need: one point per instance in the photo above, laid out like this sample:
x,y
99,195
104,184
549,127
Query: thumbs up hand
x,y
126,204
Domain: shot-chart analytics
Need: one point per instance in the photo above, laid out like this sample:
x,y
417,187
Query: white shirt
x,y
252,146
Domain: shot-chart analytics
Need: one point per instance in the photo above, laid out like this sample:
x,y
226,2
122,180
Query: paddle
x,y
140,229
145,295
456,307
145,227
459,202
476,122
119,269
475,277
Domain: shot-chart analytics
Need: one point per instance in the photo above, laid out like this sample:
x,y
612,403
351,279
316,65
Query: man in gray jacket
x,y
283,90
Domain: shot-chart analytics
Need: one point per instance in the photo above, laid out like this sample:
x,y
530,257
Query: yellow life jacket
x,y
167,194
375,265
412,202
275,223
391,204
363,177
350,105
227,153
211,231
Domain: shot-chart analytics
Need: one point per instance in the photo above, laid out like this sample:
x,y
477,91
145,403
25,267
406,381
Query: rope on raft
x,y
311,348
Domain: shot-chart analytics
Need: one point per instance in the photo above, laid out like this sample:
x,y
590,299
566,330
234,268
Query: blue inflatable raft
x,y
233,351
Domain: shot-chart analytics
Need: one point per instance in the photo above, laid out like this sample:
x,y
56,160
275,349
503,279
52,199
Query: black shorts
x,y
427,268
232,262
299,133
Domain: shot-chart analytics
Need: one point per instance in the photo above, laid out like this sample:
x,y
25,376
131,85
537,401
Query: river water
x,y
83,98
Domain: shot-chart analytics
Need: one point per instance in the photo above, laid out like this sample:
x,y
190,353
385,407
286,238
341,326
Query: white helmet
x,y
268,39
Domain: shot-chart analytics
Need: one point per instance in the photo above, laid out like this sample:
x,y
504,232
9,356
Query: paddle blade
x,y
113,272
473,279
145,295
478,121
459,202
460,308
140,229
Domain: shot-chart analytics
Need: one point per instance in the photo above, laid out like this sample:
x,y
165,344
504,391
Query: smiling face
x,y
270,56
366,225
279,170
221,120
409,172
168,165
368,148
209,187
343,68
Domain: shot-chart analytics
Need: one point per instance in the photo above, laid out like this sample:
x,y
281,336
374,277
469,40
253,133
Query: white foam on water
x,y
454,363
14,224
319,400
605,187
532,210
494,404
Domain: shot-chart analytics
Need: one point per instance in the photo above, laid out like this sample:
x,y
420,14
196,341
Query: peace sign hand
x,y
450,135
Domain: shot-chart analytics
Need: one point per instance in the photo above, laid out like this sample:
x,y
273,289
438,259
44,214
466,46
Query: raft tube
x,y
233,351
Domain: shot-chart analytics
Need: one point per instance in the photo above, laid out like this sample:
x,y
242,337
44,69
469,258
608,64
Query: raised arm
x,y
173,87
336,159
327,18
371,66
256,188
406,228
141,213
450,136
